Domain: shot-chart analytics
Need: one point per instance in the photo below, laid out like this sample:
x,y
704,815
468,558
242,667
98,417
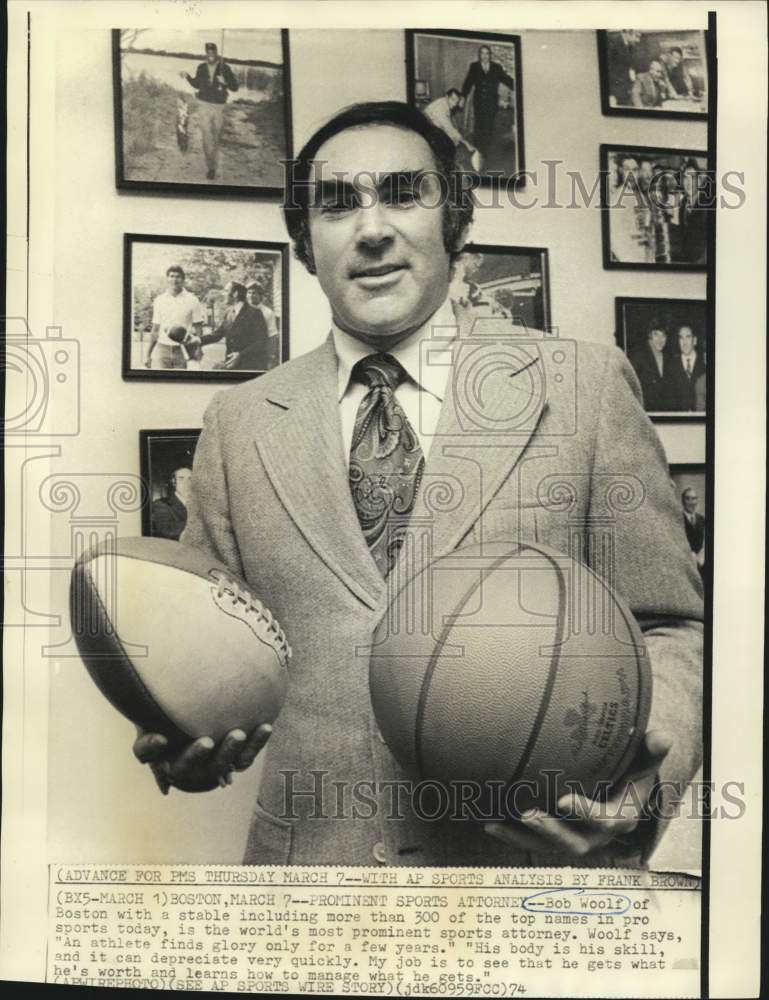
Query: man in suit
x,y
307,480
650,365
244,331
685,371
694,525
483,79
169,513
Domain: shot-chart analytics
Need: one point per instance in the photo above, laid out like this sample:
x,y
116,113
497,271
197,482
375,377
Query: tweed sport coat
x,y
537,438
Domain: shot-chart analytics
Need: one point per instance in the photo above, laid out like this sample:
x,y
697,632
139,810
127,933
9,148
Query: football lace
x,y
242,596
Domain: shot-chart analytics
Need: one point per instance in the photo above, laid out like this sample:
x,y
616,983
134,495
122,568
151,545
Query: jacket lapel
x,y
301,449
495,397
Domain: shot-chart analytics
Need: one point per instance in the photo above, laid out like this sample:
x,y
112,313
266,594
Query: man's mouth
x,y
376,270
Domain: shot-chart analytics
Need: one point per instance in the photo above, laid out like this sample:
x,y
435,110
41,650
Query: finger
x,y
654,749
194,754
515,836
562,835
256,741
161,778
150,747
612,818
228,750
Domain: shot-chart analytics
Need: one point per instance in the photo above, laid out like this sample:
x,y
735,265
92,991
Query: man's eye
x,y
400,195
336,207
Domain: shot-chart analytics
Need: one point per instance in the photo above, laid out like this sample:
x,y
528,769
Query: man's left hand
x,y
231,360
584,825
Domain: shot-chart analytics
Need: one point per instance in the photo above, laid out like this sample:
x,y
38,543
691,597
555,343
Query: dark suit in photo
x,y
485,88
654,382
245,334
683,383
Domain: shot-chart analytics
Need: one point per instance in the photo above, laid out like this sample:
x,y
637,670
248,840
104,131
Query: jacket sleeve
x,y
655,573
469,81
229,77
209,527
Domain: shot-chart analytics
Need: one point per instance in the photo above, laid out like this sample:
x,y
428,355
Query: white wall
x,y
106,807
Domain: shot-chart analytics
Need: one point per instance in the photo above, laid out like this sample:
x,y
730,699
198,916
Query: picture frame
x,y
632,86
509,282
656,207
163,456
689,480
231,350
489,118
169,140
652,332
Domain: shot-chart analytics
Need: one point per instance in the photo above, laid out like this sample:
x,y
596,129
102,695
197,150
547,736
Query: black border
x,y
131,374
661,416
544,256
169,187
145,467
630,147
518,179
710,425
603,72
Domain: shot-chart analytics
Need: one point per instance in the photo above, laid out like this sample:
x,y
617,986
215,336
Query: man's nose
x,y
374,226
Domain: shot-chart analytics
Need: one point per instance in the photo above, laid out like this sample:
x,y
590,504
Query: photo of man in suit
x,y
244,330
686,370
694,525
212,81
282,492
651,367
482,81
169,513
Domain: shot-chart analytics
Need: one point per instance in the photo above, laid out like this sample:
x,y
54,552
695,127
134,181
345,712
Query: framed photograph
x,y
504,282
689,482
666,341
469,84
203,309
201,110
656,206
658,74
166,469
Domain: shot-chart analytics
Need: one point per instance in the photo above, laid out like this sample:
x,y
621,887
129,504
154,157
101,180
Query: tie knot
x,y
379,370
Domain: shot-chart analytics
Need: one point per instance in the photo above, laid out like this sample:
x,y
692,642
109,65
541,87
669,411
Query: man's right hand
x,y
202,764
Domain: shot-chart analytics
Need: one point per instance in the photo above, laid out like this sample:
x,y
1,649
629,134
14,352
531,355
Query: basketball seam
x,y
433,662
547,693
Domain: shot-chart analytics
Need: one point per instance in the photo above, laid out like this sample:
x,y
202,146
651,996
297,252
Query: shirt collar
x,y
431,377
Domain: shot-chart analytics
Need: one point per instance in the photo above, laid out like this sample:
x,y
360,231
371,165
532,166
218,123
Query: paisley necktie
x,y
386,460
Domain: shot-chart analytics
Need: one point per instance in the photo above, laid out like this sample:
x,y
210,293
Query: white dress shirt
x,y
170,310
421,394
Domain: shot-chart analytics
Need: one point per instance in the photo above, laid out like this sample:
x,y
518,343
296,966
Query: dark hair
x,y
485,46
453,90
211,46
680,51
656,324
175,269
239,289
458,208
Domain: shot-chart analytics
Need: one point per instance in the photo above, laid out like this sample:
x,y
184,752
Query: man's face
x,y
181,482
690,499
485,56
253,296
629,168
378,251
210,56
686,340
645,171
453,101
175,282
658,339
232,295
675,58
655,69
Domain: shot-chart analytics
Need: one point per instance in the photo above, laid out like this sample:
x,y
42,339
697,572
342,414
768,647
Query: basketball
x,y
174,641
501,662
